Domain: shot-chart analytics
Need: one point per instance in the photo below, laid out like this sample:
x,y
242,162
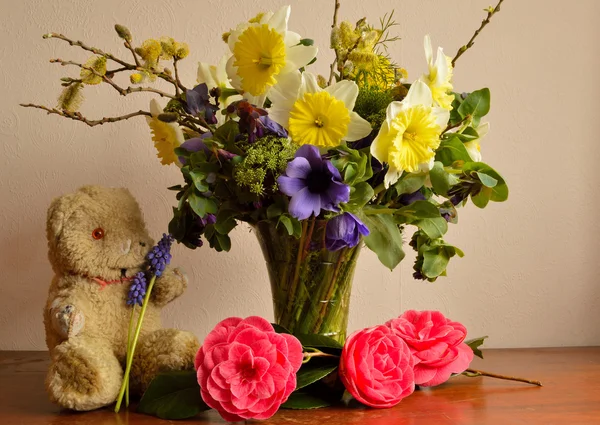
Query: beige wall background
x,y
530,274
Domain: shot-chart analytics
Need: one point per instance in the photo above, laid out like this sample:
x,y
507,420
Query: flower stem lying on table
x,y
472,373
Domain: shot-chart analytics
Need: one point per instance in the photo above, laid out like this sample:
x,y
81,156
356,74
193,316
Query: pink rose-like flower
x,y
377,367
246,370
436,344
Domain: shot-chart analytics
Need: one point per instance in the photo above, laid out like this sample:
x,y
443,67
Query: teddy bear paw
x,y
67,320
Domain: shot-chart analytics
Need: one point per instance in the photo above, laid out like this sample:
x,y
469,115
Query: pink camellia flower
x,y
377,367
436,344
246,370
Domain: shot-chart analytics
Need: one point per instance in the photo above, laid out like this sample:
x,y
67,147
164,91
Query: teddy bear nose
x,y
142,243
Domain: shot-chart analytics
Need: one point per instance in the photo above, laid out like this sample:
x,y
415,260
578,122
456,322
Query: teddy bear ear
x,y
57,215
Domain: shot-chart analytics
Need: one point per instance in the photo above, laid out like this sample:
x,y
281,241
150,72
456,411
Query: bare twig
x,y
476,372
78,117
333,25
463,49
135,58
126,65
121,90
178,84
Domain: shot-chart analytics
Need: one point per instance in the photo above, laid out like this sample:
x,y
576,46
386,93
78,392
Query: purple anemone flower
x,y
271,127
344,231
197,100
313,183
195,144
409,198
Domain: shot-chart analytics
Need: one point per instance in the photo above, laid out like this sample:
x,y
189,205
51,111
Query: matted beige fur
x,y
86,322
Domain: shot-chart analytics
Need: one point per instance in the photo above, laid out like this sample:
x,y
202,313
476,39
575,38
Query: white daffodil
x,y
410,133
439,77
263,51
166,135
216,77
473,146
316,116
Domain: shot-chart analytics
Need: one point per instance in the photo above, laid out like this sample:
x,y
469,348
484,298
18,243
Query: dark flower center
x,y
318,181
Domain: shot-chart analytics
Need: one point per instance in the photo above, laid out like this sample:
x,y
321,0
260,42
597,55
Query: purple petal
x,y
193,100
334,171
298,168
311,153
362,228
304,203
273,127
290,185
337,193
202,90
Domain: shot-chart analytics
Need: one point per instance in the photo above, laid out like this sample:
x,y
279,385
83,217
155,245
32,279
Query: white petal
x,y
358,128
392,111
155,108
258,101
441,65
280,115
221,72
265,17
298,57
379,147
442,116
309,84
427,166
292,38
418,94
472,148
205,75
391,176
236,81
235,34
346,91
279,20
483,129
428,50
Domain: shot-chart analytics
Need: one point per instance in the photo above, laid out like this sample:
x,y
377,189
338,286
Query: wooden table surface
x,y
570,396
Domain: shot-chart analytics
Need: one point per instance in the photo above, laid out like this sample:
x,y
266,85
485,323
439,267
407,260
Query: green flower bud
x,y
123,32
168,117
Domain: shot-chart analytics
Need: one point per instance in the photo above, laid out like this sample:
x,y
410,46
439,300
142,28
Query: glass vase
x,y
310,285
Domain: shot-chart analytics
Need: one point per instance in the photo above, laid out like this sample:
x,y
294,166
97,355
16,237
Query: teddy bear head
x,y
97,232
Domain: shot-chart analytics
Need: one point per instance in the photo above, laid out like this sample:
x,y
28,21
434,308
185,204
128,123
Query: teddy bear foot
x,y
83,375
159,351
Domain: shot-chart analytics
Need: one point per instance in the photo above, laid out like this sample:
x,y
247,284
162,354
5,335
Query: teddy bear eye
x,y
98,233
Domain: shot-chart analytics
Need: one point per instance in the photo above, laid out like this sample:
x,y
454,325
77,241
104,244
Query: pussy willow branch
x,y
126,65
78,117
333,25
121,90
130,47
486,21
178,85
508,378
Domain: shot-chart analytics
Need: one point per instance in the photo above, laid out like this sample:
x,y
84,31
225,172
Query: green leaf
x,y
225,221
360,195
310,373
440,179
487,180
434,227
497,193
274,210
418,210
224,242
475,343
199,180
287,223
482,198
385,239
173,395
452,150
303,401
280,329
409,183
477,104
318,341
435,262
202,205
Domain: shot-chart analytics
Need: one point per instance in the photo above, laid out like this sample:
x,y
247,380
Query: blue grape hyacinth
x,y
137,290
160,255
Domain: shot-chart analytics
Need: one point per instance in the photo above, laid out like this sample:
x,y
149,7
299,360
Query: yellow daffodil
x,y
166,135
263,51
317,116
473,146
439,77
410,133
216,77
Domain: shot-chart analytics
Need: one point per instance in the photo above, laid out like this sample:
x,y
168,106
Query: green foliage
x,y
476,105
409,183
354,166
314,371
264,161
441,180
318,341
452,150
385,238
371,104
474,345
433,255
359,196
173,395
424,215
482,183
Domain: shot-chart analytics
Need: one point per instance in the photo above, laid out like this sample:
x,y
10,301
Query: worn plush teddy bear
x,y
97,241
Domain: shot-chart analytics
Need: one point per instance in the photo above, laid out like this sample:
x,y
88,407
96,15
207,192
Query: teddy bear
x,y
97,241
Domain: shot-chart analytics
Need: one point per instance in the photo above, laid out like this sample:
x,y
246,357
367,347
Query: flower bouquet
x,y
316,165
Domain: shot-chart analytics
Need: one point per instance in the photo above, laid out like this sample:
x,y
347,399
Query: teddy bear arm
x,y
65,317
169,286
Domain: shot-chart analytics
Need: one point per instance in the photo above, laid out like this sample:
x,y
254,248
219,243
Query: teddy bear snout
x,y
126,247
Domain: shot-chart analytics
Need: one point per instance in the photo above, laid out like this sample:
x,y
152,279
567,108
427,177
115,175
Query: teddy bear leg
x,y
83,375
159,351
